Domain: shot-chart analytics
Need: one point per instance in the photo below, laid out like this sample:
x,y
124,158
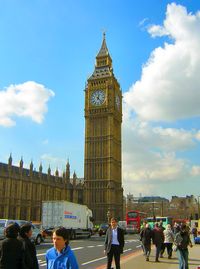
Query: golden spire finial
x,y
104,33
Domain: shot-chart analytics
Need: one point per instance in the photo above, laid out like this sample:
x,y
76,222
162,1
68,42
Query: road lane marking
x,y
100,245
139,246
90,246
129,249
85,263
131,240
41,254
77,248
95,260
43,264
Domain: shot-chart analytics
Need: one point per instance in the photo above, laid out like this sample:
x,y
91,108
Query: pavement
x,y
137,260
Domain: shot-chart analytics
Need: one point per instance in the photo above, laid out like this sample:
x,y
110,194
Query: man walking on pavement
x,y
158,239
146,236
114,244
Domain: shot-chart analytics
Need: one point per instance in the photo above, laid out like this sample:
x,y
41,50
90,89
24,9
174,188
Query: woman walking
x,y
168,240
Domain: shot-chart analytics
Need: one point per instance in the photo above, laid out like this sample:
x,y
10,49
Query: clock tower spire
x,y
102,160
103,57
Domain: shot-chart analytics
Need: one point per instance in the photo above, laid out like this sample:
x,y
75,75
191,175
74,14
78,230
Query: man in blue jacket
x,y
61,255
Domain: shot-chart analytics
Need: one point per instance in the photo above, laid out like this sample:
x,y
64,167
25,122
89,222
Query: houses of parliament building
x,y
22,190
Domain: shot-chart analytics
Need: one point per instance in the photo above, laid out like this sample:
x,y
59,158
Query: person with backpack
x,y
182,241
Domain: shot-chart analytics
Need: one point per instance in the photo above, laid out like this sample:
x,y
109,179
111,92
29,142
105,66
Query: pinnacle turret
x,y
103,50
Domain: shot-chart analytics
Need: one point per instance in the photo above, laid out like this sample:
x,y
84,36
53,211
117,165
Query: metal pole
x,y
162,209
153,209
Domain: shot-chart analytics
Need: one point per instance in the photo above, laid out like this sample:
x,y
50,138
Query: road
x,y
89,252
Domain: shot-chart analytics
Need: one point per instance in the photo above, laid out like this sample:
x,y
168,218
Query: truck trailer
x,y
76,218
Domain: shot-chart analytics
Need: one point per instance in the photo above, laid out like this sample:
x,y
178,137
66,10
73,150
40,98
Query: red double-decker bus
x,y
134,219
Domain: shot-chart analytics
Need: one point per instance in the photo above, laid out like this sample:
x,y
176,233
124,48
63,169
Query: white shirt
x,y
114,237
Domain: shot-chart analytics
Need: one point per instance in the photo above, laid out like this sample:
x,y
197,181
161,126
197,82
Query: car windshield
x,y
104,225
2,223
37,226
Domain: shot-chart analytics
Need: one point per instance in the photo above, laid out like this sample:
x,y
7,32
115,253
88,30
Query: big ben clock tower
x,y
103,119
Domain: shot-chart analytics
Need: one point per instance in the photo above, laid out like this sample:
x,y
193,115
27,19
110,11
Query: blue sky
x,y
47,51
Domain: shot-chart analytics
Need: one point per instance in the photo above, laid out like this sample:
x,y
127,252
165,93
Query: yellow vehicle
x,y
195,223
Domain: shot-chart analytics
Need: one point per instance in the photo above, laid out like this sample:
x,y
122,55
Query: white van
x,y
5,222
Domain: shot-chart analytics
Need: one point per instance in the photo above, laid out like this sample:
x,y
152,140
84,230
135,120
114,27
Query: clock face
x,y
97,98
117,101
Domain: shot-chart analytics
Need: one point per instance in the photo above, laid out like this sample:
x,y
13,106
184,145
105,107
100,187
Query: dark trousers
x,y
114,251
169,249
147,250
158,249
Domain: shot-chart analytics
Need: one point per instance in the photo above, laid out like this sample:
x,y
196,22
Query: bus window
x,y
165,221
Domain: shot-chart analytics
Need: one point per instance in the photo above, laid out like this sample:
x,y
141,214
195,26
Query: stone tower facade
x,y
102,161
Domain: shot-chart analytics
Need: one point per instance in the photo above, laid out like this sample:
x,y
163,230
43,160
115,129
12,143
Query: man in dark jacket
x,y
30,259
146,236
11,249
114,244
158,239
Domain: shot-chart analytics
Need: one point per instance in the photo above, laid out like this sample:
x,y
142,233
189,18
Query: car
x,y
48,232
41,228
36,237
5,222
103,228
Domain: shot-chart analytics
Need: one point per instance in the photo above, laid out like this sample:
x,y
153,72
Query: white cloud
x,y
142,22
168,91
23,100
169,86
157,30
198,135
195,170
149,154
53,161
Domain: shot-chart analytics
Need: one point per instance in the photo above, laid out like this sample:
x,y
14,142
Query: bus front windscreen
x,y
132,215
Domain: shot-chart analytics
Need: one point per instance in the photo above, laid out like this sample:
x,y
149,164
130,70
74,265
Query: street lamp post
x,y
153,209
162,209
198,207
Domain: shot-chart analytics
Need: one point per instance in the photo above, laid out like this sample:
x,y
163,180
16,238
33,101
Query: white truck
x,y
75,217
